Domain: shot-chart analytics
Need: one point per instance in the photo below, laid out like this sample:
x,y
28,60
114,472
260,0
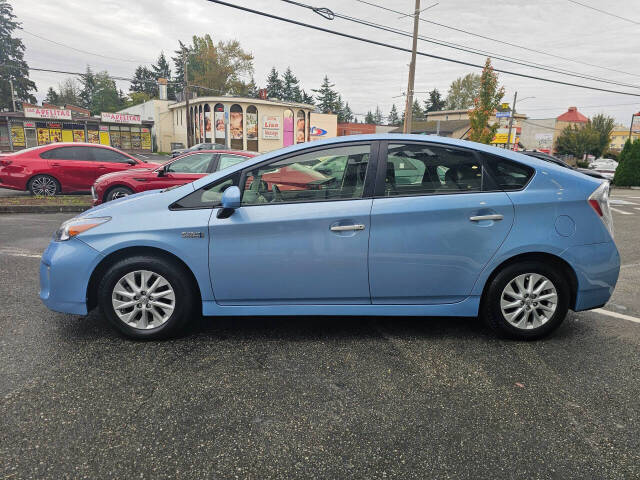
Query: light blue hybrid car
x,y
472,231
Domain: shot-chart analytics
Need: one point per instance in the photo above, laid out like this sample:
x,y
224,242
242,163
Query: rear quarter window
x,y
508,175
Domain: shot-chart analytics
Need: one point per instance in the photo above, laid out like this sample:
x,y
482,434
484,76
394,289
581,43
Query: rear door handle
x,y
486,217
346,228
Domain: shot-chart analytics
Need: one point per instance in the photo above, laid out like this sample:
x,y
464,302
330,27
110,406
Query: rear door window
x,y
108,156
62,153
508,175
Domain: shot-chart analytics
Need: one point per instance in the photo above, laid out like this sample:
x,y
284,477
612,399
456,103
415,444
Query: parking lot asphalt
x,y
332,398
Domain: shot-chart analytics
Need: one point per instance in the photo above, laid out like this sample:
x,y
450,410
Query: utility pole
x,y
631,126
13,99
513,113
408,110
185,91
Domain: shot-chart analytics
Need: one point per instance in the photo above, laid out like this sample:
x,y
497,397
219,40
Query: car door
x,y
226,160
432,234
302,246
108,161
71,165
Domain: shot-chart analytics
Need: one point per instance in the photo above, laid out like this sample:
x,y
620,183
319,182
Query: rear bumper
x,y
65,270
597,267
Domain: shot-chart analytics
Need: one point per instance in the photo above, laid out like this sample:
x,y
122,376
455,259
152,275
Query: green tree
x,y
274,84
368,118
435,102
416,111
628,169
290,87
327,97
484,105
393,118
69,92
462,92
52,97
162,69
136,98
603,126
178,61
252,88
13,67
577,141
346,114
87,88
144,81
378,118
306,98
105,94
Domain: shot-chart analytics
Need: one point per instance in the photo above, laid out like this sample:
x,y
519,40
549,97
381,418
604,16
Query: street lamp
x,y
513,113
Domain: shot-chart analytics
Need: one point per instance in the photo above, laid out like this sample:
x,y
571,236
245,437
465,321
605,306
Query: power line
x,y
468,49
500,41
605,12
394,47
588,106
80,50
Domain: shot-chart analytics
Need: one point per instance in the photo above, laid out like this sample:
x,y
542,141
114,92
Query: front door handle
x,y
486,217
346,228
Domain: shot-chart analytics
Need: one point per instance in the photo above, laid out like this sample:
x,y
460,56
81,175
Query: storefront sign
x,y
49,113
17,136
120,118
271,127
29,124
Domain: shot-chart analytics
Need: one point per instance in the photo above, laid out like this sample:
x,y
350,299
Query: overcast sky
x,y
134,32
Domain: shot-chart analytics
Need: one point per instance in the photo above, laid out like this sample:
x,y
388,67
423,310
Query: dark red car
x,y
184,169
63,167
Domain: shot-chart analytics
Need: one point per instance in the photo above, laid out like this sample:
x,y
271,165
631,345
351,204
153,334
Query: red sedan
x,y
63,167
184,169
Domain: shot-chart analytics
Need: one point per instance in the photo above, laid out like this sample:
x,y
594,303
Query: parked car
x,y
63,167
198,146
482,233
184,169
606,167
557,161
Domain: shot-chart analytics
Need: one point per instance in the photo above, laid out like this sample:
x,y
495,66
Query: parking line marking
x,y
630,265
618,201
15,252
617,315
621,211
637,208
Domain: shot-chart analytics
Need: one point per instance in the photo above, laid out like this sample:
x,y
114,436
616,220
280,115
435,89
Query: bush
x,y
628,171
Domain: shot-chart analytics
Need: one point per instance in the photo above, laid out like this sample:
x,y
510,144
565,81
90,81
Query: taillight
x,y
599,201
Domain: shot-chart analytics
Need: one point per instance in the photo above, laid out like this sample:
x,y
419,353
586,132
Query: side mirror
x,y
231,197
162,172
132,162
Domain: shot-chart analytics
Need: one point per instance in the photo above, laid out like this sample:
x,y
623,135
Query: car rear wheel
x,y
526,300
147,297
118,192
44,185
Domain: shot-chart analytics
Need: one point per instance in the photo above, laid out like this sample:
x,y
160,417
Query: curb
x,y
43,208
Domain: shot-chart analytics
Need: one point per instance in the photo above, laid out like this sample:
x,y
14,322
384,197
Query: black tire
x,y
44,185
491,311
184,307
117,192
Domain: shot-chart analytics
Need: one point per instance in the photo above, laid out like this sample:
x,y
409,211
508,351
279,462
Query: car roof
x,y
244,153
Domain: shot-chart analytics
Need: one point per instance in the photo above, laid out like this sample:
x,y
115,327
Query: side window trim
x,y
369,184
215,161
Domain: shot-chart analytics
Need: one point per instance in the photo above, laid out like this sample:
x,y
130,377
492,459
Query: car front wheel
x,y
147,297
118,192
526,301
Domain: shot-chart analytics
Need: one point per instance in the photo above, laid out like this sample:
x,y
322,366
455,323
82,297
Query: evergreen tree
x,y
178,61
52,97
326,96
162,69
290,87
435,102
105,94
346,114
416,111
368,118
252,88
274,86
628,170
306,98
378,118
87,88
144,81
14,68
393,118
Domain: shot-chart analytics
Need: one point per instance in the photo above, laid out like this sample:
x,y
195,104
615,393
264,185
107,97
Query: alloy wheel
x,y
119,194
529,301
45,186
143,299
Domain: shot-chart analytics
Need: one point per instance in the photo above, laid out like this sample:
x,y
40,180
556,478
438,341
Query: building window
x,y
252,128
236,127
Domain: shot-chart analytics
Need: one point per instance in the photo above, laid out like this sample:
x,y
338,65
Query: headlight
x,y
75,226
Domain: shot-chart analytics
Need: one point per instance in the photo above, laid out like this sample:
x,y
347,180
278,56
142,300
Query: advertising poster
x,y
93,136
145,139
219,125
135,139
235,125
271,127
252,126
104,138
115,138
300,128
55,135
17,136
207,125
67,135
125,140
322,125
78,135
43,136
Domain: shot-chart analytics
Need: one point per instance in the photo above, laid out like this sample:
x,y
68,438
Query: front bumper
x,y
597,267
65,270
